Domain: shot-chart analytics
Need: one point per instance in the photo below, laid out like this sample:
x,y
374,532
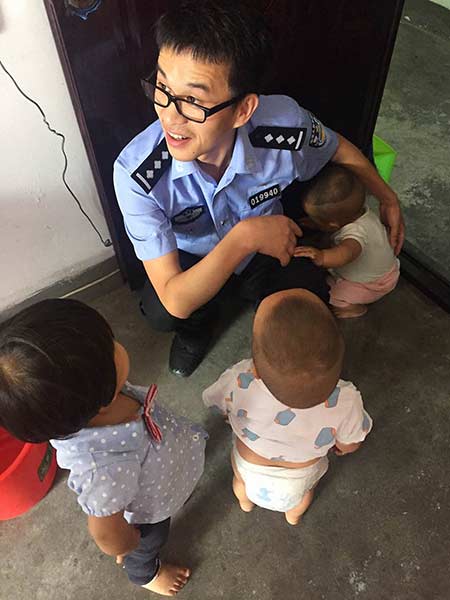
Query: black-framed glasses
x,y
186,108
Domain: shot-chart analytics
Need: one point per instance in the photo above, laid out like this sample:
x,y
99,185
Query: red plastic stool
x,y
27,472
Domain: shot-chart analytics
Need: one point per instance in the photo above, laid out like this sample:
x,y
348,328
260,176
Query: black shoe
x,y
186,354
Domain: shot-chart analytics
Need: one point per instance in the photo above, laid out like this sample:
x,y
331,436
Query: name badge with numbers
x,y
271,192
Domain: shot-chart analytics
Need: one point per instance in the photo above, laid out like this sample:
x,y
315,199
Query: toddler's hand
x,y
119,559
314,254
341,449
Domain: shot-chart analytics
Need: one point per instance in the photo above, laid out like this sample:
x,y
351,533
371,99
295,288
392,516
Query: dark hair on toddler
x,y
335,193
56,369
296,344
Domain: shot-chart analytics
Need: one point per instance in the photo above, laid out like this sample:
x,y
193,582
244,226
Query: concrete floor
x,y
380,524
415,119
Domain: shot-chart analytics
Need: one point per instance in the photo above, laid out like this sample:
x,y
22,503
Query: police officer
x,y
200,188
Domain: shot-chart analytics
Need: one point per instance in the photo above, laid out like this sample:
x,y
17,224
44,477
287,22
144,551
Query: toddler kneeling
x,y
362,264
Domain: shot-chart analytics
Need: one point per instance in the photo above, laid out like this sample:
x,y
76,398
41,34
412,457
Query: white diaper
x,y
278,488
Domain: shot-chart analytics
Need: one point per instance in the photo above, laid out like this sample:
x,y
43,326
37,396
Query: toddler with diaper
x,y
287,407
361,262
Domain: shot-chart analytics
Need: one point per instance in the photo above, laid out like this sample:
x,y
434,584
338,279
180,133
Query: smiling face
x,y
206,84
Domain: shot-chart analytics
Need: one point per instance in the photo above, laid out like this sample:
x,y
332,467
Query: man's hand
x,y
314,254
182,292
274,236
391,216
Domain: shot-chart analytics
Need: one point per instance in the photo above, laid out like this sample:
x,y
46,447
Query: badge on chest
x,y
273,191
188,215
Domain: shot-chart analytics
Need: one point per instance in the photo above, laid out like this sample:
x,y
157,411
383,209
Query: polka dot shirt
x,y
120,467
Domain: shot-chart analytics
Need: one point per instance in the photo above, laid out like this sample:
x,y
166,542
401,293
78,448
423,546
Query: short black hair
x,y
57,369
335,189
220,31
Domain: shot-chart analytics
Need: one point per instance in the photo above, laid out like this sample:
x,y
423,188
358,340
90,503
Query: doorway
x,y
414,119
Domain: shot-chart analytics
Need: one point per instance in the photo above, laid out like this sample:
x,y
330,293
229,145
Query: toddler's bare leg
x,y
239,489
349,312
293,516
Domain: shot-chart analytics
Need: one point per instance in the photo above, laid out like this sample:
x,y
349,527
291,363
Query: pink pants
x,y
344,293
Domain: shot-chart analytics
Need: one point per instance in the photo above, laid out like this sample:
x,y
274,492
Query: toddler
x,y
287,407
132,463
362,264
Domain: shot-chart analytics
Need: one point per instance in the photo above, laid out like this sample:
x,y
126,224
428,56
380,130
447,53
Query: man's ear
x,y
245,109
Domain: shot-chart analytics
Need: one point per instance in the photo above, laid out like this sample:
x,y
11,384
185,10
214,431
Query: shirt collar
x,y
181,168
243,159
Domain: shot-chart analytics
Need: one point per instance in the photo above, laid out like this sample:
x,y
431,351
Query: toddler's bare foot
x,y
169,581
246,505
350,312
292,520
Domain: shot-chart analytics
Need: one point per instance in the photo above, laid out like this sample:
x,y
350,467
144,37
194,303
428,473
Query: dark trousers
x,y
263,276
142,564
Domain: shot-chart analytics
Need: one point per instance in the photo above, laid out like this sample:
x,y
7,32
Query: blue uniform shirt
x,y
187,209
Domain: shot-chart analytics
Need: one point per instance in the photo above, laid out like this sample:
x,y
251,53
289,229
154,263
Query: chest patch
x,y
271,192
188,215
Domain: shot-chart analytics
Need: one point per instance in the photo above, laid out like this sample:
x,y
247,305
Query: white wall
x,y
43,236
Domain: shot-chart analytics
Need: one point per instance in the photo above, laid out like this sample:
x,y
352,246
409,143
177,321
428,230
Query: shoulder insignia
x,y
149,172
318,136
279,138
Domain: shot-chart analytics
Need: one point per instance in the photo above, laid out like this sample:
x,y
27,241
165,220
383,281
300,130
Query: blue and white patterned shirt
x,y
120,467
187,209
278,432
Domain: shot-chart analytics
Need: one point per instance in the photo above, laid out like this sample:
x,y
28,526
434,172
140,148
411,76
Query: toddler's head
x,y
59,367
334,198
297,348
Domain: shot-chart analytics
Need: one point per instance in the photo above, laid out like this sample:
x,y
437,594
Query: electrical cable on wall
x,y
106,242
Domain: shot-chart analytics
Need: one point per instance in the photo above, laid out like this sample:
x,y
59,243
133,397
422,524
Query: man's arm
x,y
182,292
113,534
349,156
